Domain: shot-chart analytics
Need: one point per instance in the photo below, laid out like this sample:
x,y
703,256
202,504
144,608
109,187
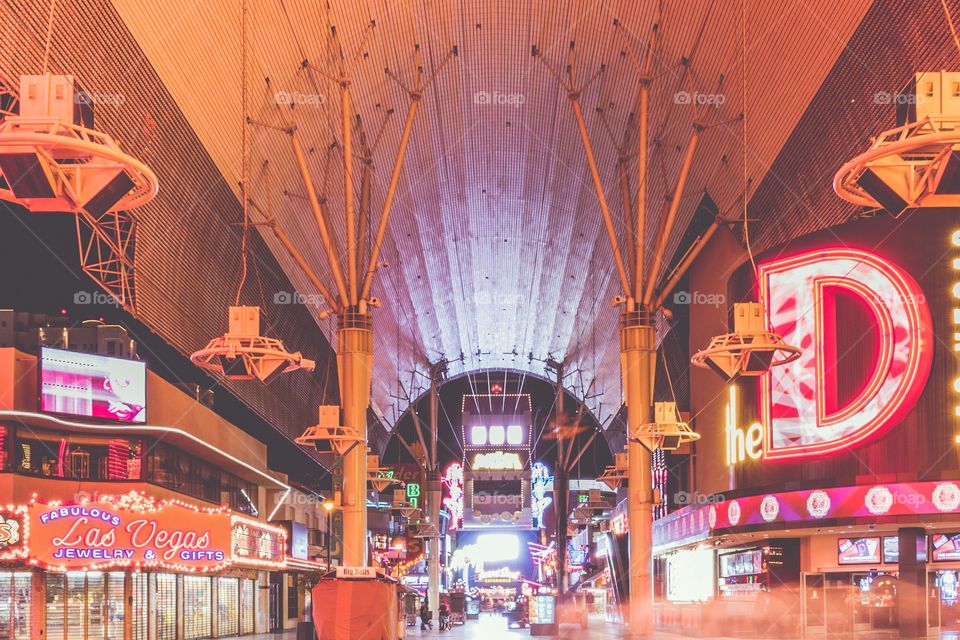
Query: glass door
x,y
76,625
96,603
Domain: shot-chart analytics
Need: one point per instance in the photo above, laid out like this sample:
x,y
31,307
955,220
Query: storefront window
x,y
85,605
166,621
139,609
55,604
197,618
228,605
247,605
15,605
77,456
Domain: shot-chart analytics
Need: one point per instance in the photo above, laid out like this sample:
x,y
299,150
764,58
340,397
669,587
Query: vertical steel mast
x,y
639,305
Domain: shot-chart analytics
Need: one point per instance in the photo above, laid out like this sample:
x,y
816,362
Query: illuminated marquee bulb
x,y
878,500
818,504
946,497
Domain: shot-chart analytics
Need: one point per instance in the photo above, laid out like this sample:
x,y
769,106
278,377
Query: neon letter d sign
x,y
798,405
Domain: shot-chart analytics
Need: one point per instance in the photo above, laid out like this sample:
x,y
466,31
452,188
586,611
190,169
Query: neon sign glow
x,y
497,461
453,481
741,444
540,479
796,398
135,531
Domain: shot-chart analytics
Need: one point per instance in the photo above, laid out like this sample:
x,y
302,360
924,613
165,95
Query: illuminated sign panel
x,y
858,551
453,482
696,522
741,443
92,386
799,415
497,461
540,479
137,532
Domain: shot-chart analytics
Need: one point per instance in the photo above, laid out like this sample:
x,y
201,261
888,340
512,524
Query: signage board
x,y
543,609
135,531
92,386
357,573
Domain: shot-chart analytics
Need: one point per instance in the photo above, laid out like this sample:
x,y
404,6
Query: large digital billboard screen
x,y
92,386
498,557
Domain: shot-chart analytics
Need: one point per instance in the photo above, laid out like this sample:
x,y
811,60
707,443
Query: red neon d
x,y
794,397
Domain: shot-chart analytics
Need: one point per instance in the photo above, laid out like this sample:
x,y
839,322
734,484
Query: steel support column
x,y
354,359
433,545
433,497
637,350
561,487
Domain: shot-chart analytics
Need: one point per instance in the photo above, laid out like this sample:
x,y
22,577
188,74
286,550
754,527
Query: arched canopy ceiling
x,y
591,450
496,253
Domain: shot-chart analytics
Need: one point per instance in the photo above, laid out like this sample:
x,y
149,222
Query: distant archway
x,y
591,463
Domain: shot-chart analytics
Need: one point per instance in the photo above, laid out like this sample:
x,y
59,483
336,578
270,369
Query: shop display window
x,y
197,610
15,600
228,598
247,605
166,612
139,607
84,605
77,456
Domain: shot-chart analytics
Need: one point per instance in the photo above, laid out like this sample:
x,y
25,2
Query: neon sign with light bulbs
x,y
136,531
795,397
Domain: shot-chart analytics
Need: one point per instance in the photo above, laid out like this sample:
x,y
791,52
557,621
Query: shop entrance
x,y
276,601
814,611
85,604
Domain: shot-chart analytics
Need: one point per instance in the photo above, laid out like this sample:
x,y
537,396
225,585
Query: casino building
x,y
132,511
824,495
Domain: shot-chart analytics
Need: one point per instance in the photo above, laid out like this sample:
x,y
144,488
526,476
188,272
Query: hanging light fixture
x,y
53,160
666,432
328,435
242,353
616,474
751,350
917,163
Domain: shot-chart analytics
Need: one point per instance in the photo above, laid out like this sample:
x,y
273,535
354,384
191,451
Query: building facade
x,y
825,493
130,510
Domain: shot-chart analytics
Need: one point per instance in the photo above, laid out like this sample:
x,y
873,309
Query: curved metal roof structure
x,y
495,256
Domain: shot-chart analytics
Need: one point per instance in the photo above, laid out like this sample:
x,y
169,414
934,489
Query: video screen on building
x,y
498,557
92,386
891,549
858,551
744,563
946,547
